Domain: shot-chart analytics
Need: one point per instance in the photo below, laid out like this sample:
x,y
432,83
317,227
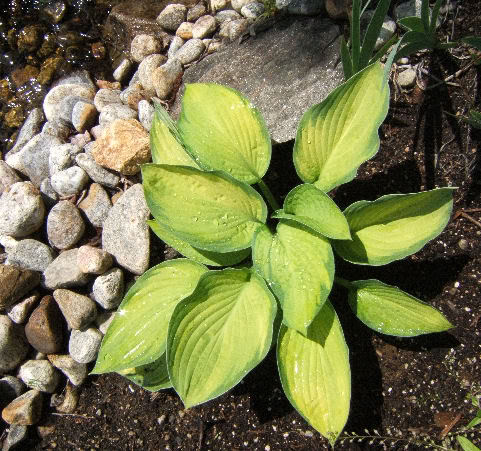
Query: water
x,y
41,40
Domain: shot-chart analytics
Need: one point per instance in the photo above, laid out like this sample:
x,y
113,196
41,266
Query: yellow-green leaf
x,y
394,226
209,210
165,141
298,264
310,206
199,255
391,311
223,131
219,333
138,333
152,377
339,134
315,372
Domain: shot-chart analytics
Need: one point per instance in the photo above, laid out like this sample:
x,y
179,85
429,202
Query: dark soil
x,y
411,390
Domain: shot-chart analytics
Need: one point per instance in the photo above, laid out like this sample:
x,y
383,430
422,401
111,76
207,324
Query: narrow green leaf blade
x,y
315,372
466,444
394,226
198,255
219,333
356,35
391,311
372,32
336,136
165,141
138,333
412,24
425,10
299,266
223,131
312,207
209,210
473,41
434,16
346,59
153,376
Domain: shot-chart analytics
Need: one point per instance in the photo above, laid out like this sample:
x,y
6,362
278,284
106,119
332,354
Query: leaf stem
x,y
271,200
343,282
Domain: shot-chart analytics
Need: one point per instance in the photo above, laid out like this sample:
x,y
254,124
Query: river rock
x,y
76,372
146,114
123,146
84,114
233,29
238,4
39,375
176,43
96,205
21,210
106,97
65,225
33,158
147,66
56,100
252,10
337,9
190,51
57,128
108,289
78,310
60,158
31,254
84,345
29,129
144,45
196,11
104,320
19,312
16,434
132,95
185,30
227,15
204,27
49,195
296,73
116,111
172,16
96,172
63,272
93,260
407,78
70,181
125,234
7,177
123,69
24,410
13,345
14,283
165,77
45,327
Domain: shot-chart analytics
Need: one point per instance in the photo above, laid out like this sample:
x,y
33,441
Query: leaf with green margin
x,y
223,131
312,207
199,255
219,333
298,264
339,134
138,333
165,141
153,376
394,226
209,210
315,372
391,311
466,444
412,23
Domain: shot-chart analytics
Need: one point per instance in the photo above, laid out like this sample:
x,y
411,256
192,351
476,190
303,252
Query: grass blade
x,y
434,16
346,60
425,15
355,35
383,50
372,32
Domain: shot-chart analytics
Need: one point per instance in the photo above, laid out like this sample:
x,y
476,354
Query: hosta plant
x,y
201,330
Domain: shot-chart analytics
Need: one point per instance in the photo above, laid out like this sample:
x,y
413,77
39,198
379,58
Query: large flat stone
x,y
282,71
